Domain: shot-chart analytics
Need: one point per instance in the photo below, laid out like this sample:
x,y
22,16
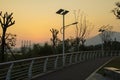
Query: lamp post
x,y
63,13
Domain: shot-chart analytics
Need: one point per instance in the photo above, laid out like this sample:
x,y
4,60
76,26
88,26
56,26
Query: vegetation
x,y
54,39
38,50
10,42
115,45
6,20
77,43
106,36
114,63
83,29
116,10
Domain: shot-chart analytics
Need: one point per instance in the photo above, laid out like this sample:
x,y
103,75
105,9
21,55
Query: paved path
x,y
75,72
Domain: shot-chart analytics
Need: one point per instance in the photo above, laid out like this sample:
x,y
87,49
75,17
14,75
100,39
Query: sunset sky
x,y
35,18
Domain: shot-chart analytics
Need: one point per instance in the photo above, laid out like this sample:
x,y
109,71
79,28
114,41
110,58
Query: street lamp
x,y
68,26
63,13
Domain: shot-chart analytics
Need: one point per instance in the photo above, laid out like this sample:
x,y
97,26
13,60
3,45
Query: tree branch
x,y
11,23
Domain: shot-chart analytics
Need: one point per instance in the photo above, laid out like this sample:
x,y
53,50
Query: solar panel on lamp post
x,y
63,13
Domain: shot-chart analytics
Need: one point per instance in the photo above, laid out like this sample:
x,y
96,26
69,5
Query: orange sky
x,y
35,18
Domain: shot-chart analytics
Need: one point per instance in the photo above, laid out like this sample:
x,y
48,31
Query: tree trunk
x,y
3,46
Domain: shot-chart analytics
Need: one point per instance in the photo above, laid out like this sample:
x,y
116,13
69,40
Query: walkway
x,y
75,72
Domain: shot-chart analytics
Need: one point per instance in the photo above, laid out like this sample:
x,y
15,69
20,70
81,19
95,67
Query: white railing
x,y
33,67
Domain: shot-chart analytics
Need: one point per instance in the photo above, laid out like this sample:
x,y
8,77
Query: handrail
x,y
40,65
28,59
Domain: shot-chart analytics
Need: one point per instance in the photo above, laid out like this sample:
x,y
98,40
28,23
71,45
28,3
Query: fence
x,y
27,69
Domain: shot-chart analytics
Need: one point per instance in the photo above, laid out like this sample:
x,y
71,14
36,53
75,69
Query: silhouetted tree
x,y
35,51
59,47
106,35
46,50
5,21
38,50
26,46
70,45
83,29
10,42
115,45
54,38
116,10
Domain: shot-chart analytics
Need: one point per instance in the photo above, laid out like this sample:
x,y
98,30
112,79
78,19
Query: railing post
x,y
87,55
96,55
76,54
118,53
8,76
91,53
99,54
80,57
111,53
30,70
107,53
84,55
45,65
90,57
64,60
71,59
56,59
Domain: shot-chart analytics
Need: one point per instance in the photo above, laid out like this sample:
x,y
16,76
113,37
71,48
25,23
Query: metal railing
x,y
33,67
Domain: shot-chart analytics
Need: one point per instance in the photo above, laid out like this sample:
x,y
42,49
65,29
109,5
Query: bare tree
x,y
116,10
5,21
10,42
106,35
54,38
83,28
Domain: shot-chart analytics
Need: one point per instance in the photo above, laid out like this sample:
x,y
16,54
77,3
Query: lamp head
x,y
62,11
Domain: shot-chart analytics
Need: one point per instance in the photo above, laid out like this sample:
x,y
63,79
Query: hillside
x,y
97,39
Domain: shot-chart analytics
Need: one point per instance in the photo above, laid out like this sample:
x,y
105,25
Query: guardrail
x,y
33,67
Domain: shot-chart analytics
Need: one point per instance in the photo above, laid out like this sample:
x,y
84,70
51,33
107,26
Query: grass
x,y
114,63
